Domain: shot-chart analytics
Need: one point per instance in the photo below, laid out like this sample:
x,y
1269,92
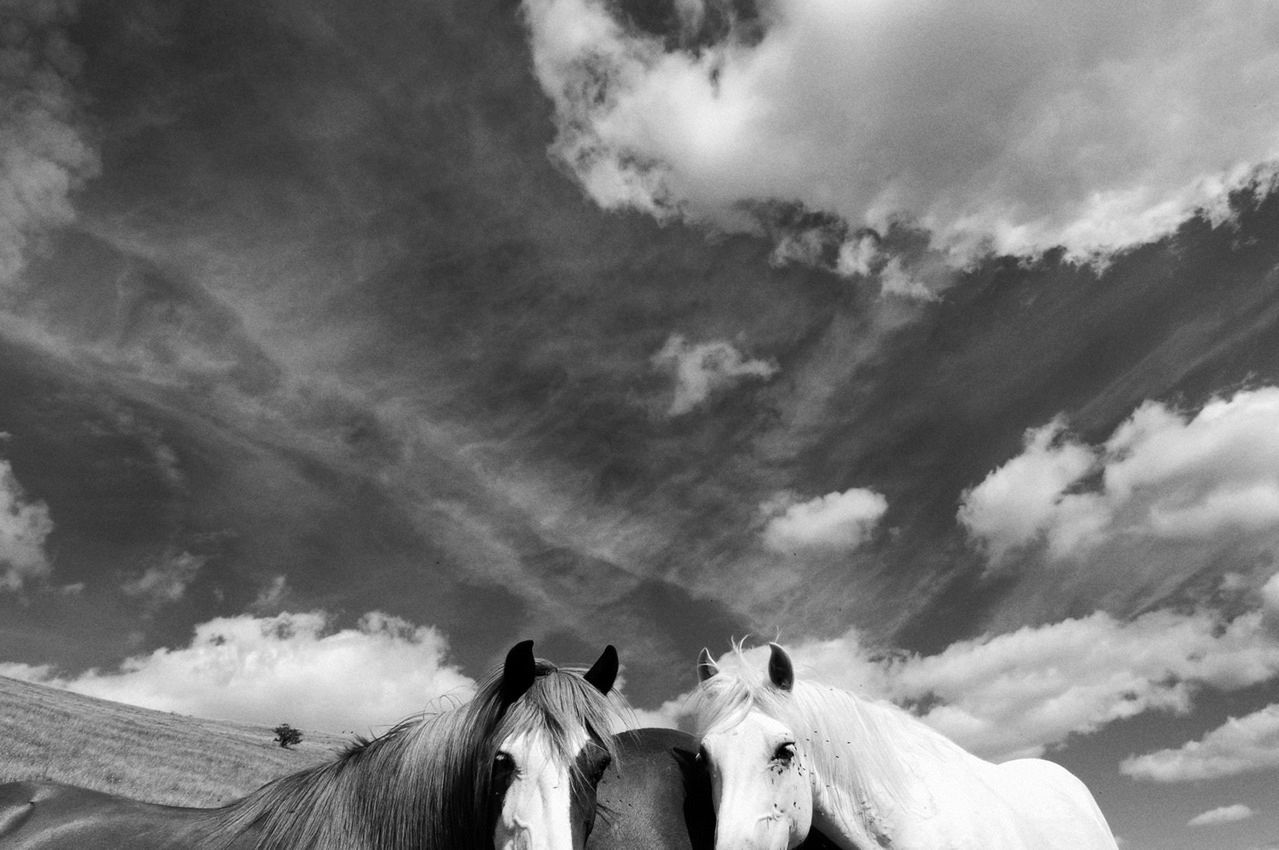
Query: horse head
x,y
552,747
759,783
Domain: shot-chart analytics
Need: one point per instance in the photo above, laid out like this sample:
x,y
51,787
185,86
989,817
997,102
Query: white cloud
x,y
1222,814
1162,477
1020,693
897,280
291,667
834,521
24,526
1241,745
167,581
1023,499
705,368
1090,124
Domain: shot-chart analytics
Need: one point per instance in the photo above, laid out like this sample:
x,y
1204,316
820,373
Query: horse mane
x,y
427,782
875,752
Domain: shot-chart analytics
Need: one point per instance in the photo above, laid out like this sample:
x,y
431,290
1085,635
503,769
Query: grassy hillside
x,y
47,733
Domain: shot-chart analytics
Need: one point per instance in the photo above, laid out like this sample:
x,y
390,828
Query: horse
x,y
787,756
657,796
515,768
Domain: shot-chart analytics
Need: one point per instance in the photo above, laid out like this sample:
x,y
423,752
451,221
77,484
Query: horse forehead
x,y
754,725
532,746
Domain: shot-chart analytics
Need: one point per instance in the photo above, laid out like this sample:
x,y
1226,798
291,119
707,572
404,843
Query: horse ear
x,y
604,671
706,666
780,670
519,672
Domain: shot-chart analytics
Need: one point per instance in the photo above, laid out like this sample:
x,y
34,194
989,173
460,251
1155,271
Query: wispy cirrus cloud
x,y
703,369
167,581
1087,125
44,154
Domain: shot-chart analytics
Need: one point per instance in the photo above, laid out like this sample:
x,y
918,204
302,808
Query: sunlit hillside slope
x,y
46,733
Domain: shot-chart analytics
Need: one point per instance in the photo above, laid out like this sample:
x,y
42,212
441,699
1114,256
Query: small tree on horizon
x,y
286,735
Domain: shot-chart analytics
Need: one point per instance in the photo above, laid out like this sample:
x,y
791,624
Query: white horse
x,y
786,756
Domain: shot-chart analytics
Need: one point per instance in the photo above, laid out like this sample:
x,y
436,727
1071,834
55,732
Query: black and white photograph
x,y
639,424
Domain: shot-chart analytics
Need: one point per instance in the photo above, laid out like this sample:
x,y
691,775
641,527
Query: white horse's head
x,y
760,785
545,773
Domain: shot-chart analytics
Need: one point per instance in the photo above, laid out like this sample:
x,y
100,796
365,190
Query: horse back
x,y
1062,806
52,816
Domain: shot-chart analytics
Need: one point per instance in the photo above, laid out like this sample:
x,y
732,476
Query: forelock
x,y
727,698
560,708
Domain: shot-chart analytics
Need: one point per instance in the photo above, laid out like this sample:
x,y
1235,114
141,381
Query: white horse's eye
x,y
784,752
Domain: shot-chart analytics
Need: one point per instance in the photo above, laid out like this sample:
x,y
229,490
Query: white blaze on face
x,y
537,807
763,800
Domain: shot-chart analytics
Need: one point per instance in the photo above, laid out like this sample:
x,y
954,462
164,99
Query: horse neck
x,y
872,766
407,788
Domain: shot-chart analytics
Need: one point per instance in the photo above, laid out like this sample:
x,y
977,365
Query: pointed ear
x,y
706,666
604,671
780,670
519,672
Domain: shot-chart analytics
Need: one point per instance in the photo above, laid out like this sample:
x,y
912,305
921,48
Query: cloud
x,y
166,582
1020,693
1162,476
834,521
271,594
290,667
1023,499
705,368
1091,125
1241,745
24,527
1023,691
43,155
1222,814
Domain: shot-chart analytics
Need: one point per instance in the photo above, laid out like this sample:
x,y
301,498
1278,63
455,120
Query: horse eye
x,y
503,773
784,752
703,756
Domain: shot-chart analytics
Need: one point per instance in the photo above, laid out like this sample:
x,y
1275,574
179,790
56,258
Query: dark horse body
x,y
656,797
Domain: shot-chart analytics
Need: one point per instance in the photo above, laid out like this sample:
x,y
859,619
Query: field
x,y
47,733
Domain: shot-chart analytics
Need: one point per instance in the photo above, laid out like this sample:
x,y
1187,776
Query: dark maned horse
x,y
516,767
657,796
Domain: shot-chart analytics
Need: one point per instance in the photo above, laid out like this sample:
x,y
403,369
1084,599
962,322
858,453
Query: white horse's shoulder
x,y
1047,774
1064,806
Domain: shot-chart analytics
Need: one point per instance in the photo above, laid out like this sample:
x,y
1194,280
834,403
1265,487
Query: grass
x,y
46,733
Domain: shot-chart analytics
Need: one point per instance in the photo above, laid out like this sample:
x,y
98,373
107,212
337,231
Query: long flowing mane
x,y
427,782
880,753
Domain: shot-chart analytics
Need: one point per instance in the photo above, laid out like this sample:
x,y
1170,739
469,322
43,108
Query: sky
x,y
344,344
